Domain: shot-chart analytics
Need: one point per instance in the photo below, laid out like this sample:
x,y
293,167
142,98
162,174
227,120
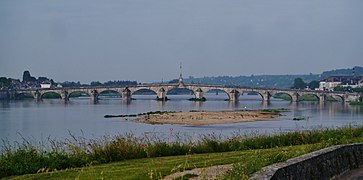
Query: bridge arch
x,y
338,97
140,93
311,97
252,92
50,95
143,90
109,92
180,91
217,94
282,96
23,95
78,93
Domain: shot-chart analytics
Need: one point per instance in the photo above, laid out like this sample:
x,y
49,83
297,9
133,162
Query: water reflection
x,y
198,105
161,105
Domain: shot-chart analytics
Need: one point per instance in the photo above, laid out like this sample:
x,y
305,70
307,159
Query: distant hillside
x,y
344,72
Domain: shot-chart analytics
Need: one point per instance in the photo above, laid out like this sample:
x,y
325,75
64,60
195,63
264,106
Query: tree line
x,y
299,83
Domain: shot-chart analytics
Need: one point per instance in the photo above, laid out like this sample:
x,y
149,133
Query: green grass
x,y
277,110
356,103
51,95
26,158
308,98
155,168
78,94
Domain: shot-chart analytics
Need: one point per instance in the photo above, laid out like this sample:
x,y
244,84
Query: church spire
x,y
181,75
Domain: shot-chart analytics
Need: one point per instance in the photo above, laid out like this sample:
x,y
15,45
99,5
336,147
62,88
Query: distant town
x,y
335,80
30,82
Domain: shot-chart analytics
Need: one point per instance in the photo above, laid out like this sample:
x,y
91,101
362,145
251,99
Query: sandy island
x,y
207,117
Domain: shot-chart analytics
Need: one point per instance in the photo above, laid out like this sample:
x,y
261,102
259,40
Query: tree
x,y
345,88
174,81
28,78
299,84
313,84
358,89
71,84
5,82
96,83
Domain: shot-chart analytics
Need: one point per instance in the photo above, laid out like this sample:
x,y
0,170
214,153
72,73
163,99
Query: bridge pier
x,y
94,96
266,96
161,95
322,97
199,94
37,96
65,96
233,95
295,97
126,94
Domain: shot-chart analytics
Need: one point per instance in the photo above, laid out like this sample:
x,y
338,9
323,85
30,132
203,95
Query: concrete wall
x,y
323,164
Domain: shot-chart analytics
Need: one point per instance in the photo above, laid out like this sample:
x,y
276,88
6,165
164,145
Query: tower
x,y
181,75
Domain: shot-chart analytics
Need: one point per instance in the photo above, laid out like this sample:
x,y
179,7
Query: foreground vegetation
x,y
246,162
252,153
356,103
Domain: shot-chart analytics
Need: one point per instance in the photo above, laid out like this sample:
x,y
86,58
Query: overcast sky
x,y
144,40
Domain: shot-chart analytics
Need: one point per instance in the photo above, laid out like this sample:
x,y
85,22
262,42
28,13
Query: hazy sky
x,y
145,40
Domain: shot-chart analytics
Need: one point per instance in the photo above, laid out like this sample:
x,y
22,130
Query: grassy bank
x,y
246,162
356,103
27,158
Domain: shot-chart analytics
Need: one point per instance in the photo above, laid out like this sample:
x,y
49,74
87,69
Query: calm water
x,y
52,118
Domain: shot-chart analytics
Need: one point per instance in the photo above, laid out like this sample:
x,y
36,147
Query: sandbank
x,y
207,117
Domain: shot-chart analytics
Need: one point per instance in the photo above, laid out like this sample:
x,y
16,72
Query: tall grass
x,y
25,157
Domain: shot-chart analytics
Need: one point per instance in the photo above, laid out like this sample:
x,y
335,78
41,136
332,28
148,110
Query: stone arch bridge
x,y
199,91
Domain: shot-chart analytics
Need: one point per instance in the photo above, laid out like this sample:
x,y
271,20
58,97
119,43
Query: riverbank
x,y
142,158
356,103
207,117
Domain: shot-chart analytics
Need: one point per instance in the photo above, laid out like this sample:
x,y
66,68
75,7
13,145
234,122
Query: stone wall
x,y
323,164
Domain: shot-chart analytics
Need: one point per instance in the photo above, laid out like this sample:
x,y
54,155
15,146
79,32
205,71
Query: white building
x,y
331,82
328,86
45,85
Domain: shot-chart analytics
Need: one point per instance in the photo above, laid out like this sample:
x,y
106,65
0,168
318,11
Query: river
x,y
52,118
